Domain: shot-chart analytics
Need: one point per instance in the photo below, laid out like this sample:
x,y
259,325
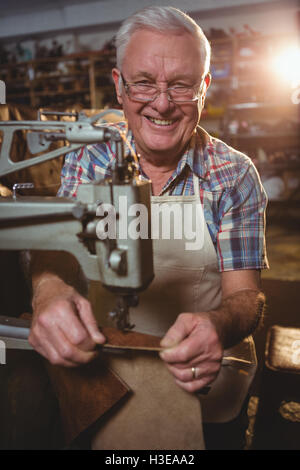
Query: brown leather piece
x,y
87,392
84,394
131,339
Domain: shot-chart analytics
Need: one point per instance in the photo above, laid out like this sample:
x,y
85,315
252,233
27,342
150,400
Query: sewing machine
x,y
124,265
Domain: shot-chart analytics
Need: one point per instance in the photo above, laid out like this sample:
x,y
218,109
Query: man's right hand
x,y
64,329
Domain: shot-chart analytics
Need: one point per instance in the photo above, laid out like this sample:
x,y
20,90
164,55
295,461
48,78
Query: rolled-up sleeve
x,y
72,174
85,165
241,235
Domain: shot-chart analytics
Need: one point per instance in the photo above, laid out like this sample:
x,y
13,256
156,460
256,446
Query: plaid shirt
x,y
231,193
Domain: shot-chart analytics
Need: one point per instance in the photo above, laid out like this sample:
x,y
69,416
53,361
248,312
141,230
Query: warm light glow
x,y
287,65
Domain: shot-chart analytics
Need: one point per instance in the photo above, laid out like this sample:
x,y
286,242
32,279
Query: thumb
x,y
178,331
86,314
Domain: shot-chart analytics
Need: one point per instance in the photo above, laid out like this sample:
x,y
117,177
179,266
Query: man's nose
x,y
162,102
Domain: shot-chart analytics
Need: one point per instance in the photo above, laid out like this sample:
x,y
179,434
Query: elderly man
x,y
203,302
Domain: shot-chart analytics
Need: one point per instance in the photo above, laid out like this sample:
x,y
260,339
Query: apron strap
x,y
196,185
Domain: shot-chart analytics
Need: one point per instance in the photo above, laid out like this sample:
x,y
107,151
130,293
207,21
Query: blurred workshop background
x,y
58,55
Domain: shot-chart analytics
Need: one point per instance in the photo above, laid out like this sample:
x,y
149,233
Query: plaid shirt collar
x,y
195,156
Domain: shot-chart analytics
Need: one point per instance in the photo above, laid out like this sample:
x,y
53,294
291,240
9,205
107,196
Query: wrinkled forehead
x,y
172,49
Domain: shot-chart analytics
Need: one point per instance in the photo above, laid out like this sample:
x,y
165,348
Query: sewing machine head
x,y
97,227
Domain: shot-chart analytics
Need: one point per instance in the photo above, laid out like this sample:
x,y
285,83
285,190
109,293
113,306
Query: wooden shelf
x,y
65,92
57,76
38,75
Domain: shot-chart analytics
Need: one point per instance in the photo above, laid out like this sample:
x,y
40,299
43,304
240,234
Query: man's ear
x,y
116,74
207,82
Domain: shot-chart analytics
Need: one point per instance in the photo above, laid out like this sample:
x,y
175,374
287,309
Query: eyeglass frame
x,y
128,84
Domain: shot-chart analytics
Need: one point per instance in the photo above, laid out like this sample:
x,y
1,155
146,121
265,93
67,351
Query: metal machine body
x,y
124,265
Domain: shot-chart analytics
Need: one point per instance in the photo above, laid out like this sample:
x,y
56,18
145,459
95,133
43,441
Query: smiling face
x,y
161,129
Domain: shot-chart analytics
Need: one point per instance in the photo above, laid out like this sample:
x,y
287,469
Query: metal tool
x,y
14,332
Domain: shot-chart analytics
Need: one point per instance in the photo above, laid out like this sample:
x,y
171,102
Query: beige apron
x,y
186,280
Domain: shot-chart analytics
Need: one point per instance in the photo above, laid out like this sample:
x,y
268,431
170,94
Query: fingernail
x,y
168,343
99,337
162,355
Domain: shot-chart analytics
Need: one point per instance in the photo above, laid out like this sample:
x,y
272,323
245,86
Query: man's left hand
x,y
193,351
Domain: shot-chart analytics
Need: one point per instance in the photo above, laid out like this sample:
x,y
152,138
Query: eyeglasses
x,y
144,92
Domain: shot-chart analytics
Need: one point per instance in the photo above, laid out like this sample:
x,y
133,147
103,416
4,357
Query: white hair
x,y
161,19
